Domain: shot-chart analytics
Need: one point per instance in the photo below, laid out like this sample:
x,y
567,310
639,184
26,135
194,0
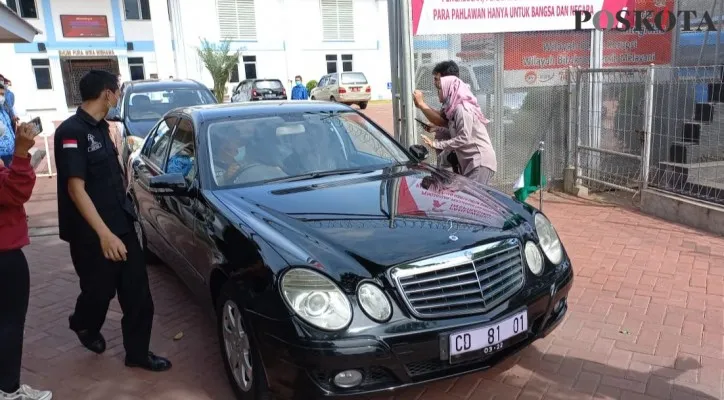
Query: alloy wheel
x,y
237,345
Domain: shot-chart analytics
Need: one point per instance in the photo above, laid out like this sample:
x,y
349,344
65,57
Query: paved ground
x,y
646,321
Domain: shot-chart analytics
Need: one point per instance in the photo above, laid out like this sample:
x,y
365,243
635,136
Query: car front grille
x,y
465,282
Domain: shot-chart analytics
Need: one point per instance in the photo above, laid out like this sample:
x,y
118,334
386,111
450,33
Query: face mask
x,y
299,82
240,154
2,100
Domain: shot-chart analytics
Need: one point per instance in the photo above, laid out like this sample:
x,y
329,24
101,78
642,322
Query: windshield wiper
x,y
321,174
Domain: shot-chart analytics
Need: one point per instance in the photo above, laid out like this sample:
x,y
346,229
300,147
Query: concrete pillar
x,y
56,74
123,68
161,24
177,34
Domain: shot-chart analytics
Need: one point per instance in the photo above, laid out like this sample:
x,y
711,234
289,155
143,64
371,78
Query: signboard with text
x,y
77,26
435,17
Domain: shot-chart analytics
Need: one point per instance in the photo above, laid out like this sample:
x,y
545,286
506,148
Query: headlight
x,y
374,302
316,299
549,241
533,258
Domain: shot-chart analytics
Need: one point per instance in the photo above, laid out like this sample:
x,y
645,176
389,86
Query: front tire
x,y
238,347
313,98
332,99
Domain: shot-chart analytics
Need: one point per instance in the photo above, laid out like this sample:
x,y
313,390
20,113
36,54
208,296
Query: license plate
x,y
268,95
355,89
488,338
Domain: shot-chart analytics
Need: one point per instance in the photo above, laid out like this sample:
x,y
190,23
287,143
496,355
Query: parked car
x,y
346,87
336,261
259,89
144,102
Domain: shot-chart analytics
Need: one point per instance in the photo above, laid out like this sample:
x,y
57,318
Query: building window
x,y
234,76
337,19
249,67
41,68
347,62
331,63
135,64
137,9
24,8
237,19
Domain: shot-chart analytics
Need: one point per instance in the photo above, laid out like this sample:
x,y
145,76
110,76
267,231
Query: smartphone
x,y
37,125
426,125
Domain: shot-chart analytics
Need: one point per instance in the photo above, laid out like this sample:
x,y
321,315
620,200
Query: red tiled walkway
x,y
646,321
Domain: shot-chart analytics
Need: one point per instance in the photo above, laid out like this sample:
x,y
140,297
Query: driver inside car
x,y
229,150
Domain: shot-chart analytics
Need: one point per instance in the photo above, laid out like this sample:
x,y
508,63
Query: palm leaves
x,y
220,61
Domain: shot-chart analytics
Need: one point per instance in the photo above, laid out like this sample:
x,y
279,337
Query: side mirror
x,y
419,151
114,115
169,185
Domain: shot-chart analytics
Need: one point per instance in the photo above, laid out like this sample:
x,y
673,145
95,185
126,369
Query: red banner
x,y
84,25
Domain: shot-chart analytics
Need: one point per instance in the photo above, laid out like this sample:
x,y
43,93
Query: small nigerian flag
x,y
532,179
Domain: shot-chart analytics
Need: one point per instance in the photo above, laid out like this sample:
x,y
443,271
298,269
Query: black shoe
x,y
152,363
93,341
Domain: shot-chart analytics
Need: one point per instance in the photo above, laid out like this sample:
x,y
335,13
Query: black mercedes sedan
x,y
336,261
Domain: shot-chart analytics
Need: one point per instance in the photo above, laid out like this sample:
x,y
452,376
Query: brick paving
x,y
646,321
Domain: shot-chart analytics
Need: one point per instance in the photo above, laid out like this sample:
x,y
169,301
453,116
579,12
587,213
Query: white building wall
x,y
289,41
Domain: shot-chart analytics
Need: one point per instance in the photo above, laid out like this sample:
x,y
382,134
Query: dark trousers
x,y
14,295
100,279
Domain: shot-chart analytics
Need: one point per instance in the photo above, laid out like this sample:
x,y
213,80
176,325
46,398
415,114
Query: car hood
x,y
382,218
140,128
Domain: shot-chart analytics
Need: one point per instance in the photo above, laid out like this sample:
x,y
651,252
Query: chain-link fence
x,y
610,108
687,141
663,124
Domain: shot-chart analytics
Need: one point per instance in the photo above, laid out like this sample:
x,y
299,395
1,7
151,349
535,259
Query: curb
x,y
43,231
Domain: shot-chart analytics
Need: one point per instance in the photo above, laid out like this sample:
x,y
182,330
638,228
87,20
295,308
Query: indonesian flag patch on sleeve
x,y
70,144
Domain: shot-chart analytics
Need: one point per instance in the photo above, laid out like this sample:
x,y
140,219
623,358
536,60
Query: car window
x,y
247,151
268,84
159,142
182,157
322,81
353,78
332,80
152,105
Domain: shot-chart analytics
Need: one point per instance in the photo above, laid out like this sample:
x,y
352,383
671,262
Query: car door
x,y
235,94
151,163
176,215
321,87
333,87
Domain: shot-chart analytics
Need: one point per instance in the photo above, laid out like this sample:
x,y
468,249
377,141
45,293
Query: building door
x,y
74,69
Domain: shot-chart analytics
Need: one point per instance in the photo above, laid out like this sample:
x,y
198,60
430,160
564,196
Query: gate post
x,y
394,32
648,126
406,73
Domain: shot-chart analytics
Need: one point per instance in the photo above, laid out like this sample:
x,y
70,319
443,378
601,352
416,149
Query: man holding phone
x,y
16,186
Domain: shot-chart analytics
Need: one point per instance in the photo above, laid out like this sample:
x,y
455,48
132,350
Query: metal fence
x,y
658,127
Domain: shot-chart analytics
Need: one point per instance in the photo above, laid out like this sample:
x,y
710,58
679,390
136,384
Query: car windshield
x,y
295,146
272,84
152,105
353,78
